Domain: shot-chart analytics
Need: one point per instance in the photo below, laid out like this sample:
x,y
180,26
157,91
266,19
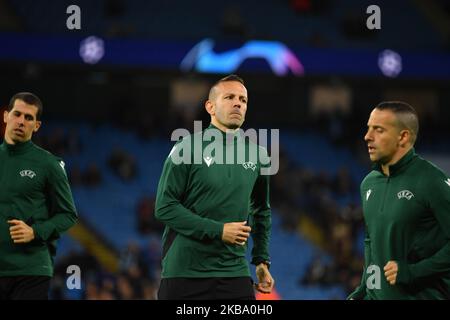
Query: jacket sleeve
x,y
62,212
439,203
262,219
360,291
170,210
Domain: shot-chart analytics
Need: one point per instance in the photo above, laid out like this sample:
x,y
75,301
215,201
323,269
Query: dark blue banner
x,y
207,56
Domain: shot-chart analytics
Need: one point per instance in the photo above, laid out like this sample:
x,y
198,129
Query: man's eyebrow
x,y
235,94
26,114
375,126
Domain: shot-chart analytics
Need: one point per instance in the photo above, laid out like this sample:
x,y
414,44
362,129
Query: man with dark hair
x,y
29,99
210,208
406,205
36,204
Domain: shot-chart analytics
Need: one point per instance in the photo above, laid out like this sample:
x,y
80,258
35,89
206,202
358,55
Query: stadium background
x,y
112,101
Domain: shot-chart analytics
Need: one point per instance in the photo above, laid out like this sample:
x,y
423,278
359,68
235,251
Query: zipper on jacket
x,y
3,170
385,192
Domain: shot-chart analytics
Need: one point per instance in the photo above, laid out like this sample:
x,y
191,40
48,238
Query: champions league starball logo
x,y
92,50
390,63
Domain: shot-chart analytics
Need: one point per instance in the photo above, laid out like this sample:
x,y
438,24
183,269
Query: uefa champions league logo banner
x,y
282,60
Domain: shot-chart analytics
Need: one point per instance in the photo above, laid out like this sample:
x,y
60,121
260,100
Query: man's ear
x,y
209,106
5,116
37,126
405,137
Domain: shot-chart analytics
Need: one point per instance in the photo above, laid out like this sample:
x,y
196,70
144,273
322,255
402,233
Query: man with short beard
x,y
406,205
210,208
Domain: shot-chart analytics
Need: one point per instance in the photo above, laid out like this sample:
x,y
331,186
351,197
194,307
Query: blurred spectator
x,y
319,7
315,273
298,191
187,96
75,176
114,8
133,262
149,290
301,6
59,142
92,176
318,39
115,11
106,289
91,291
73,142
123,164
233,23
146,222
8,20
152,257
131,282
353,26
124,288
56,142
343,184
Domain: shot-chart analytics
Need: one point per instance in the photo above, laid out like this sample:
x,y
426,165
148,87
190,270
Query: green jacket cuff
x,y
37,232
218,229
41,232
404,275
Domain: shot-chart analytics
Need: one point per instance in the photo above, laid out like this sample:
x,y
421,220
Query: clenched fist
x,y
20,232
265,281
236,233
390,272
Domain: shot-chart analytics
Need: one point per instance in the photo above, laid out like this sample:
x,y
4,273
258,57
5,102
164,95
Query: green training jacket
x,y
34,189
195,200
407,217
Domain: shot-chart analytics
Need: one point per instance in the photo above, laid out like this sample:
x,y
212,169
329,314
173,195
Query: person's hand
x,y
390,272
236,233
20,232
265,281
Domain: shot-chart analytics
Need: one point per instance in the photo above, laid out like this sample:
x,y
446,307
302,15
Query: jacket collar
x,y
18,148
229,136
400,164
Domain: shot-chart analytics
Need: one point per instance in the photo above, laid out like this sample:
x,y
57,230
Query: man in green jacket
x,y
36,204
210,207
406,205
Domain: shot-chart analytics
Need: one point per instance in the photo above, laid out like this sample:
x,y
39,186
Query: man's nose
x,y
21,120
368,137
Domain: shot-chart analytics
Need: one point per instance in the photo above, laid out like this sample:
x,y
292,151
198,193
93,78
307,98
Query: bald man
x,y
211,208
